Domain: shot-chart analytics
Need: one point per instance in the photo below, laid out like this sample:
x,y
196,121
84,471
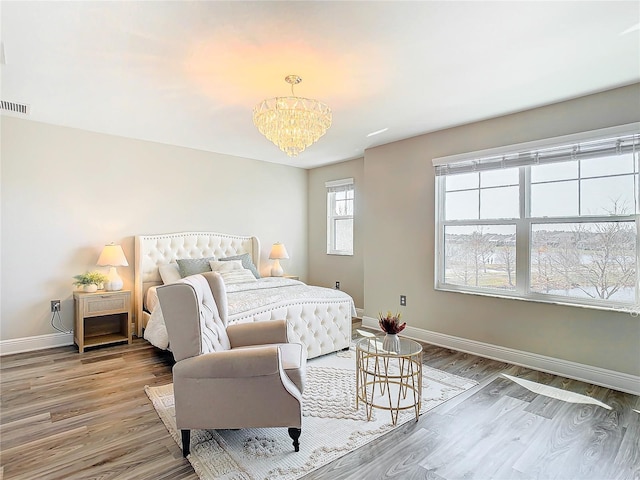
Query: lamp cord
x,y
53,317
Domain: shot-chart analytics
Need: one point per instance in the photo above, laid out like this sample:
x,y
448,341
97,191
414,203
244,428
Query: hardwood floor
x,y
69,416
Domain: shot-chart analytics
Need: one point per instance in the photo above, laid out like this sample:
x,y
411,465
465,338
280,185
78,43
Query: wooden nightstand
x,y
102,318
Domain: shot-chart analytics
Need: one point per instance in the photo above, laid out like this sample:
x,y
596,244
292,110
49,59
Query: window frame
x,y
523,225
345,184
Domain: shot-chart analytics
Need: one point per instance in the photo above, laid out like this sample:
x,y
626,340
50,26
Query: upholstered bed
x,y
318,317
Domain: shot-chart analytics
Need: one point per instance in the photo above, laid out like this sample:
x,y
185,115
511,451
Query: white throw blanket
x,y
243,298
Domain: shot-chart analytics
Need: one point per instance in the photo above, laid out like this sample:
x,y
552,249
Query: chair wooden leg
x,y
186,442
294,433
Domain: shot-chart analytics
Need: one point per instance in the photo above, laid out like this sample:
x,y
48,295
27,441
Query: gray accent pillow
x,y
192,266
246,263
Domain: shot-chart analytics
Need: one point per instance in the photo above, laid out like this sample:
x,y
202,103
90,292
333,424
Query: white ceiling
x,y
189,73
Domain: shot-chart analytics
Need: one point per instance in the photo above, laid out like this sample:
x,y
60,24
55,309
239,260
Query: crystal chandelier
x,y
292,123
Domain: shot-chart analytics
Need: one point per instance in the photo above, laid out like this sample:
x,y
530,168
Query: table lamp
x,y
112,256
278,251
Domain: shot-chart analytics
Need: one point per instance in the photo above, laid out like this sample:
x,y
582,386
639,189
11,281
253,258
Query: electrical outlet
x,y
55,305
403,300
337,285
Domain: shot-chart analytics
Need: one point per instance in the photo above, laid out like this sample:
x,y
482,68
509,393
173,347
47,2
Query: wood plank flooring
x,y
69,416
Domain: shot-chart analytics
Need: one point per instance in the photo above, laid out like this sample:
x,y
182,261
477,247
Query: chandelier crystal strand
x,y
292,123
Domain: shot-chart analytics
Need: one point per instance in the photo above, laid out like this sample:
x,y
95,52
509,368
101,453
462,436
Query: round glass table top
x,y
373,344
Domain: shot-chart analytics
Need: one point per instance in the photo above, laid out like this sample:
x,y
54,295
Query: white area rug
x,y
331,425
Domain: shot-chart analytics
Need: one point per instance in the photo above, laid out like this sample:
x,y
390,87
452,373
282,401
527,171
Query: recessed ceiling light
x,y
631,29
377,132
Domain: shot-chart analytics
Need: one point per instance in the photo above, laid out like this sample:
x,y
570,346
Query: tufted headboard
x,y
154,250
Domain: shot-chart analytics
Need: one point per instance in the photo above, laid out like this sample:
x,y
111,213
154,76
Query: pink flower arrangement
x,y
391,323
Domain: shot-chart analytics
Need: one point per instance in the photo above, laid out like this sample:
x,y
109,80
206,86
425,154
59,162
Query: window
x,y
340,197
553,221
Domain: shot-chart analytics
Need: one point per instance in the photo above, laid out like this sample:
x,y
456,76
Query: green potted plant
x,y
90,281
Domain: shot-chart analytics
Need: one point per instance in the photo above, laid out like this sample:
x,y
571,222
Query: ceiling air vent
x,y
15,107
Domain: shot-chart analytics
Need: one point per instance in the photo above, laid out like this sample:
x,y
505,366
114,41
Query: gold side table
x,y
389,380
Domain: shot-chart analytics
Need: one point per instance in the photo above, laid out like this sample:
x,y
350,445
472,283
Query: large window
x,y
340,197
555,222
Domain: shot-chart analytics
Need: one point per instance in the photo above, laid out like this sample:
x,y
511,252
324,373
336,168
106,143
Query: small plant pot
x,y
391,343
92,287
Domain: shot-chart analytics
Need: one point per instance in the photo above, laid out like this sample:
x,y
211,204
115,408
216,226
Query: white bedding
x,y
317,317
275,297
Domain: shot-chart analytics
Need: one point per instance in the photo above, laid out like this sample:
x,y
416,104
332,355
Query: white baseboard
x,y
623,382
40,342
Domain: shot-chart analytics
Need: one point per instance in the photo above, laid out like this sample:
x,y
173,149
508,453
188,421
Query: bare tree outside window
x,y
506,251
482,256
588,259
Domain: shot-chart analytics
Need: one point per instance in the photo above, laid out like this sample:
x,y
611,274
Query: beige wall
x,y
67,192
57,212
325,269
399,242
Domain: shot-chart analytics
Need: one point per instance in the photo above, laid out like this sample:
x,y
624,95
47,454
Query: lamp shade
x,y
278,251
112,256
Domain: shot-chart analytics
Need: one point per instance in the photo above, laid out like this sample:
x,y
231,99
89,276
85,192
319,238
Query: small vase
x,y
92,287
391,342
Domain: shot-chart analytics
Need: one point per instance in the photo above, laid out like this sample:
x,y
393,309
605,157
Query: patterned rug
x,y
331,425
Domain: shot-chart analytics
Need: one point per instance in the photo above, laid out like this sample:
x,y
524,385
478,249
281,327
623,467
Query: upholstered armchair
x,y
229,376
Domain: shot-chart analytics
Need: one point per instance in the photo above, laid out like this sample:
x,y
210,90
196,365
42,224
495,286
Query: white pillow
x,y
169,273
237,276
226,266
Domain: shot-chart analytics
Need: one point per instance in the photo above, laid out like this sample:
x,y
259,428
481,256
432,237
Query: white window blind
x,y
627,141
339,185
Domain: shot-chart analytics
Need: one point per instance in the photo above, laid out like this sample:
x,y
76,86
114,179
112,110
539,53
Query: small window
x,y
340,200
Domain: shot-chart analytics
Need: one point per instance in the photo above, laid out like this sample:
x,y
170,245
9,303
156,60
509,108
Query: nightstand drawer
x,y
103,305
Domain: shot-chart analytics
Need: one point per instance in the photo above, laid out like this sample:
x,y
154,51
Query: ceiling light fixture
x,y
292,123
